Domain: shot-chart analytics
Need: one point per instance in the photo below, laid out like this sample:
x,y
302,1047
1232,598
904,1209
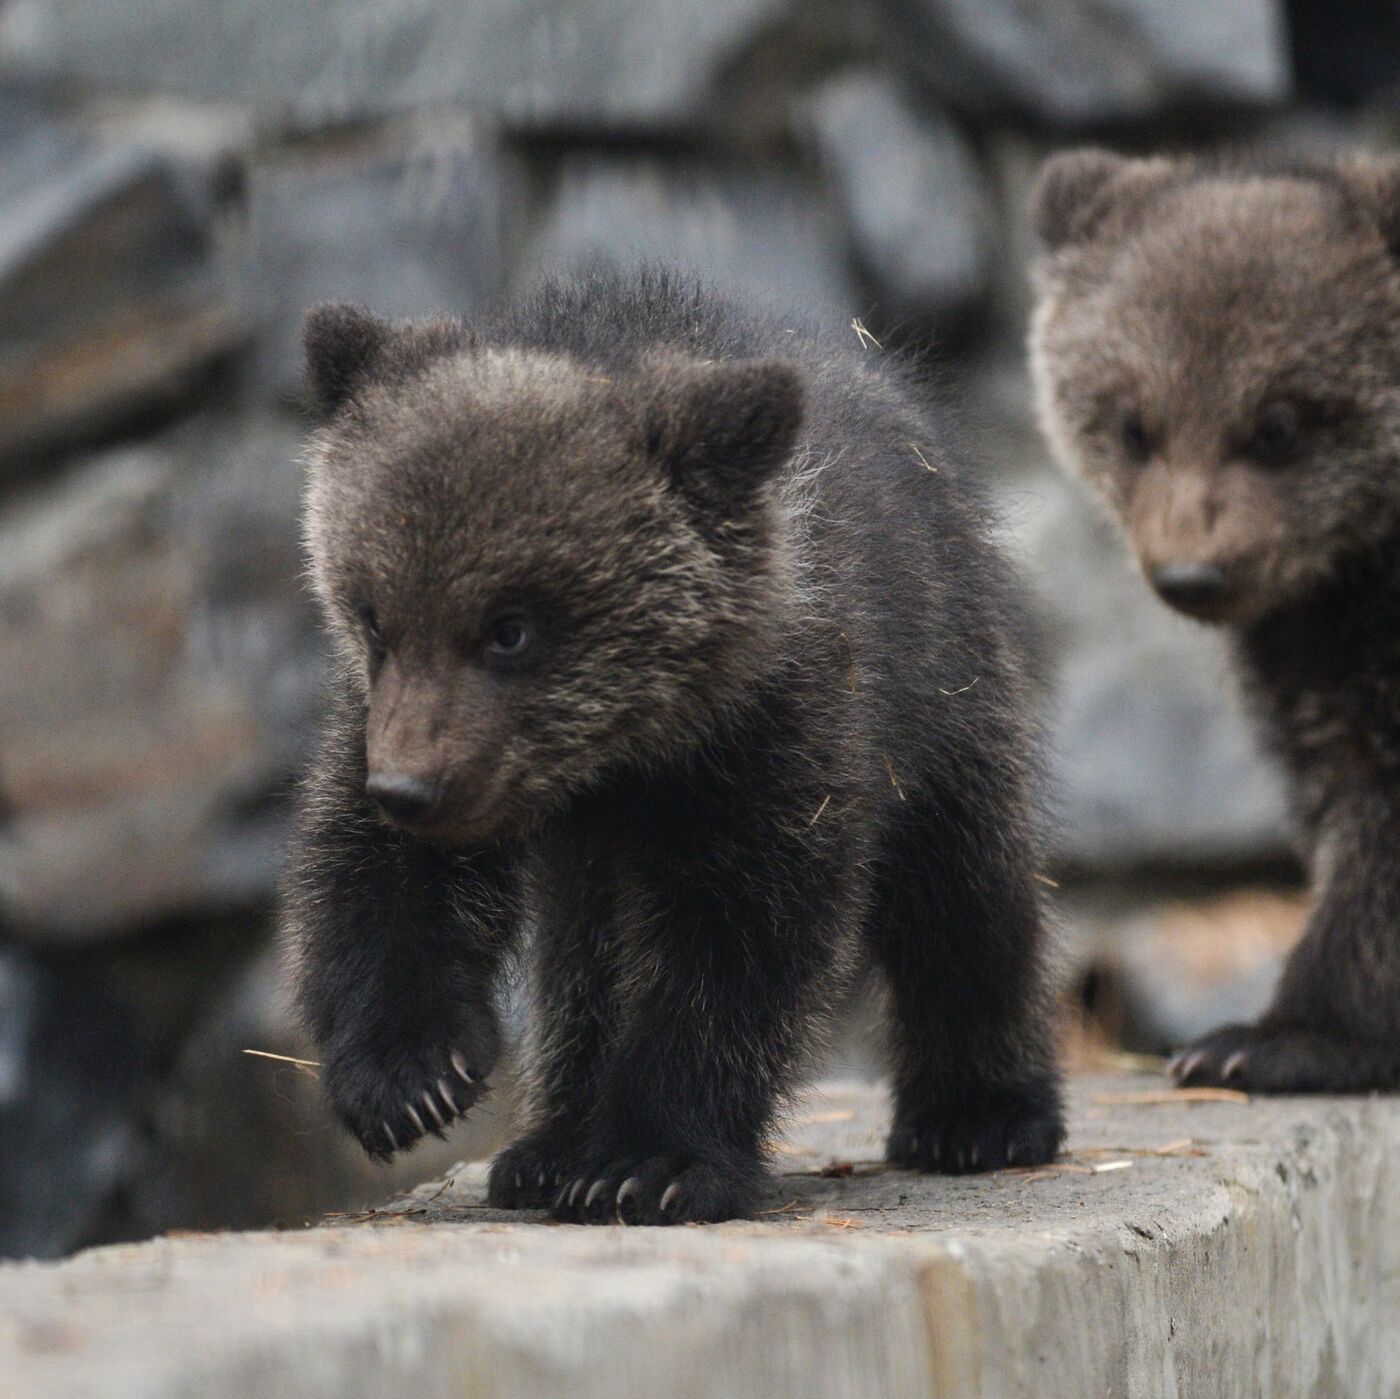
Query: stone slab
x,y
1179,1248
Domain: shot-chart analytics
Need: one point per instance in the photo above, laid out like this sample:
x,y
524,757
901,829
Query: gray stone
x,y
1094,61
561,63
76,1083
758,234
110,297
1166,971
159,668
410,227
1180,1248
919,223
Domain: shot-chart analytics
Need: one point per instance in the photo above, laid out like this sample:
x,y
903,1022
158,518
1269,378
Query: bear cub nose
x,y
401,796
1191,587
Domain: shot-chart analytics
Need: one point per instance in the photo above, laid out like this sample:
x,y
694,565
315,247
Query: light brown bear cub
x,y
1216,350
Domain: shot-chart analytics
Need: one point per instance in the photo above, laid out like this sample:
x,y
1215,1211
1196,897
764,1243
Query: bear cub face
x,y
533,570
1216,349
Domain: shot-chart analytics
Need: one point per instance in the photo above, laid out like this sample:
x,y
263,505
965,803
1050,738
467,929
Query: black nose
x,y
402,797
1193,587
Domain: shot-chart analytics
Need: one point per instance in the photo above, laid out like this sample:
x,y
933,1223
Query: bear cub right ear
x,y
1078,190
724,426
345,346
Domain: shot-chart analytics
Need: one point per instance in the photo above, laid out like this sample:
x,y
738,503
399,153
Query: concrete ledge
x,y
1246,1249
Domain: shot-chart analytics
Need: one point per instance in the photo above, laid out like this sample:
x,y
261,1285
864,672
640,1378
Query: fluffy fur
x,y
769,726
1216,349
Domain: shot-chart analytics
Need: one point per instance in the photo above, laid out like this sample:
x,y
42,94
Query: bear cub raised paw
x,y
673,636
1216,350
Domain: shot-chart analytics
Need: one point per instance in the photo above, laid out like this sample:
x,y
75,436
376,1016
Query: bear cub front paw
x,y
985,1131
528,1173
1277,1058
658,1190
390,1098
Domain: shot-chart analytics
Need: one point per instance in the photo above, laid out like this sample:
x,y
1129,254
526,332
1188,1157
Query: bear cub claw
x,y
406,1105
528,1173
389,1110
654,1190
1007,1128
1279,1059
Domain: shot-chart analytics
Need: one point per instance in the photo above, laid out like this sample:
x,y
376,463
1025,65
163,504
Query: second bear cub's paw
x,y
1285,1059
389,1096
658,1190
985,1131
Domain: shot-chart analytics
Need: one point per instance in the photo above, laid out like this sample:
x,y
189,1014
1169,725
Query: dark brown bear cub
x,y
673,637
1217,350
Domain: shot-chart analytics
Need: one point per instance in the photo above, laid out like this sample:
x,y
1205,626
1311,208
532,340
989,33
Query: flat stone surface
x,y
1179,1248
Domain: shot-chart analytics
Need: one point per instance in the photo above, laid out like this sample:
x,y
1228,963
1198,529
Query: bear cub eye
x,y
374,638
509,638
1133,434
1277,435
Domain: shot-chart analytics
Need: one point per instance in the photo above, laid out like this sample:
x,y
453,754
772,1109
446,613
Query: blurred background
x,y
179,179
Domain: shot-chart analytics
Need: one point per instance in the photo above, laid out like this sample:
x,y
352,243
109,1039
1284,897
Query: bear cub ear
x,y
345,346
724,426
1078,189
1377,180
348,347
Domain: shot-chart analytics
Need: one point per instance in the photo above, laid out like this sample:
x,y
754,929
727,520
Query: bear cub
x,y
1216,349
672,638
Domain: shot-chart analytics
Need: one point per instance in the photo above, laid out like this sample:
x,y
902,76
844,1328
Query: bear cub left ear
x,y
348,348
345,346
724,425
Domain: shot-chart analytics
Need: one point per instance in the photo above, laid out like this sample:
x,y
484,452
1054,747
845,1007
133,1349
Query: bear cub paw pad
x,y
990,1134
652,1190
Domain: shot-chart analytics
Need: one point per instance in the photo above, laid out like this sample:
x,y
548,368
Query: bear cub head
x,y
536,569
1216,349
